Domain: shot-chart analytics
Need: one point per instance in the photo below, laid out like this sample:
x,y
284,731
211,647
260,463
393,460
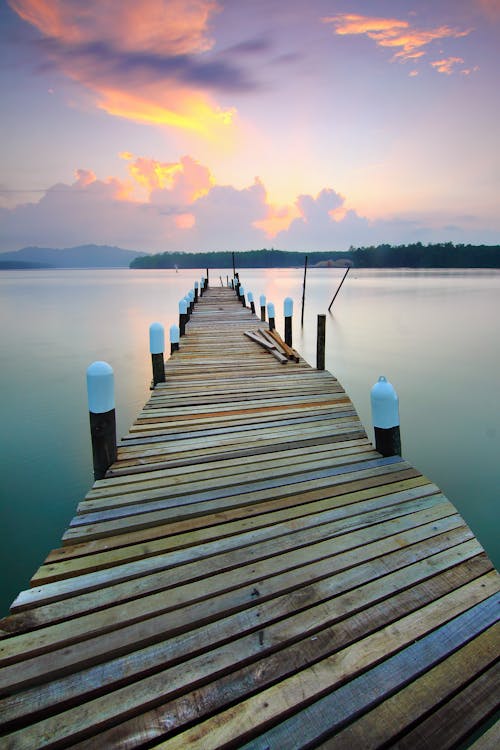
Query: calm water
x,y
434,335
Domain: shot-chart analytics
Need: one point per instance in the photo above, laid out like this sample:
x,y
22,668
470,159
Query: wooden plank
x,y
245,719
379,726
99,612
165,684
89,558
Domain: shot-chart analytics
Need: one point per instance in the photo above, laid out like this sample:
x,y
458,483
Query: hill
x,y
83,256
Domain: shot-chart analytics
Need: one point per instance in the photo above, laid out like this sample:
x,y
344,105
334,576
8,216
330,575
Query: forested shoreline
x,y
417,255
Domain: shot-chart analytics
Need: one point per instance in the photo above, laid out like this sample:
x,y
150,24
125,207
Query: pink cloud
x,y
447,65
176,216
407,41
143,61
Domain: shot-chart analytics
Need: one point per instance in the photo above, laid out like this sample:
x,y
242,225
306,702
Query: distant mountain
x,y
83,256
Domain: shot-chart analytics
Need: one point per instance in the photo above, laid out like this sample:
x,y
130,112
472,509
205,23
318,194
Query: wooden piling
x,y
320,342
303,292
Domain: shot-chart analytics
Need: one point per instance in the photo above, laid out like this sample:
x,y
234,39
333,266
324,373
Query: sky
x,y
161,125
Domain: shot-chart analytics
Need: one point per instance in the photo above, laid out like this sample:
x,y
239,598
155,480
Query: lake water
x,y
433,334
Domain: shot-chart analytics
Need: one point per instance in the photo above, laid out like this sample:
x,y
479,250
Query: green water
x,y
434,335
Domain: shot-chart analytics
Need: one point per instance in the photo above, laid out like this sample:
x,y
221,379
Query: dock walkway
x,y
253,574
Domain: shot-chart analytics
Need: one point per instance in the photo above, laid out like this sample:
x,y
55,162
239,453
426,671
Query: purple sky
x,y
174,125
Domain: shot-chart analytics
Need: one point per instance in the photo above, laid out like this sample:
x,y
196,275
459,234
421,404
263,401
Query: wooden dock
x,y
253,574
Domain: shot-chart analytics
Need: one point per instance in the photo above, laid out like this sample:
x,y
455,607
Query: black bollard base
x,y
182,323
103,435
388,440
158,368
272,324
320,343
174,347
263,312
288,330
252,307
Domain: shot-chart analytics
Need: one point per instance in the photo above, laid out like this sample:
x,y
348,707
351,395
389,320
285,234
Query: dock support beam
x,y
320,343
288,313
385,417
252,303
182,316
271,315
101,400
157,349
174,338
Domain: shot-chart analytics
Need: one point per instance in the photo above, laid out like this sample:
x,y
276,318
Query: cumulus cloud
x,y
180,207
151,62
407,42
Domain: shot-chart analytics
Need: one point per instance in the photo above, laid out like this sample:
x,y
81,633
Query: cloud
x,y
183,182
407,42
165,206
151,61
447,65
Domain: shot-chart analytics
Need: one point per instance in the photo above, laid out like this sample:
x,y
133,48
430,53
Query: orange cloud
x,y
278,219
111,187
393,33
144,61
177,26
447,65
186,180
154,106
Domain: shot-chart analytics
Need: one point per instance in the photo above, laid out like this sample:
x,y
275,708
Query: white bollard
x,y
252,303
183,307
174,338
288,312
101,401
157,349
262,306
271,315
385,417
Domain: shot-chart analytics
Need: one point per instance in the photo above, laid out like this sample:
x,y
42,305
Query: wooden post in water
x,y
182,316
263,307
101,400
174,338
157,349
288,313
252,303
320,343
385,417
303,292
338,289
206,281
271,315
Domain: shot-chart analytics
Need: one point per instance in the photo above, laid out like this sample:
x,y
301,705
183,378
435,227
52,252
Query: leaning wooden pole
x,y
303,292
338,290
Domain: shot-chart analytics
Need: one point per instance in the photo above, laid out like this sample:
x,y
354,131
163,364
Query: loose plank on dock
x,y
252,573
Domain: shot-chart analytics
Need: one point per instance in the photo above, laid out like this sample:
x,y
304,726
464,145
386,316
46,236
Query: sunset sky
x,y
238,124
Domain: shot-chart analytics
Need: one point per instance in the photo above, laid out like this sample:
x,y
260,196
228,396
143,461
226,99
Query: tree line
x,y
416,255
